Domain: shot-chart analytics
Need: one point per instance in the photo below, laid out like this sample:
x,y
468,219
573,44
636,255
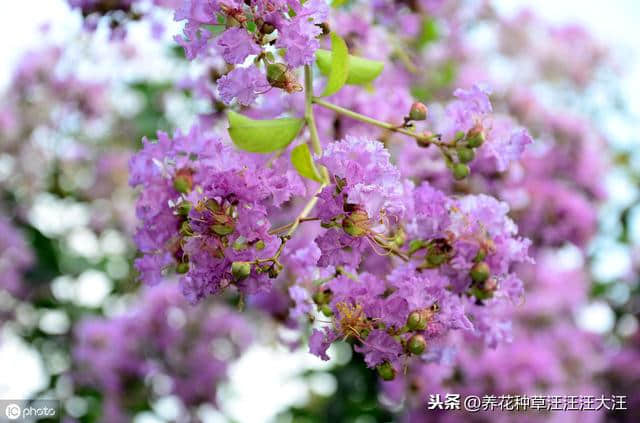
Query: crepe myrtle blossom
x,y
250,27
203,208
461,253
395,265
468,123
360,205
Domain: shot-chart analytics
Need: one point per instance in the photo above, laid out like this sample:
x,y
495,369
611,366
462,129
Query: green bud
x,y
276,73
213,206
222,230
482,253
321,297
436,258
240,270
465,154
475,136
480,294
480,272
356,223
279,76
224,224
182,267
460,171
386,371
184,208
182,184
326,310
417,344
259,245
183,181
418,111
416,321
459,136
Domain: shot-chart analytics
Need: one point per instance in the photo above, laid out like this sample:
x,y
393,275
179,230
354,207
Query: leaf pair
x,y
268,136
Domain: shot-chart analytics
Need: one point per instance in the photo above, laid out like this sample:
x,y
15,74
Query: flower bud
x,y
183,180
182,185
259,245
321,297
356,223
480,272
465,154
482,253
240,270
460,171
416,321
182,267
475,136
386,371
418,111
279,76
184,208
326,310
223,223
417,344
436,258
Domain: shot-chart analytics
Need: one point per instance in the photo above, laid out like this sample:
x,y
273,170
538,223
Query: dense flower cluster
x,y
164,340
243,29
204,208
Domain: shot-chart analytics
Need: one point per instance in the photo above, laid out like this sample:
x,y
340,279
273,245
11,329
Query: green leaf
x,y
262,136
339,68
361,71
303,162
338,3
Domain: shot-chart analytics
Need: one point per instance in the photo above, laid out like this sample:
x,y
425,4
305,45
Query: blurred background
x,y
74,107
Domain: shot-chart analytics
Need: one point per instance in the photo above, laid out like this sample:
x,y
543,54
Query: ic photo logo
x,y
13,411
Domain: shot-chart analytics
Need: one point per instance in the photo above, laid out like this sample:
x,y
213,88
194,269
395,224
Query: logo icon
x,y
12,411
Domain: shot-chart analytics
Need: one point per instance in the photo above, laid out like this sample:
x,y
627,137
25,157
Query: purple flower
x,y
319,342
299,38
236,44
379,347
243,84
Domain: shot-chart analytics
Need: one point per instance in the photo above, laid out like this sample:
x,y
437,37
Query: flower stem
x,y
430,138
317,149
288,225
308,110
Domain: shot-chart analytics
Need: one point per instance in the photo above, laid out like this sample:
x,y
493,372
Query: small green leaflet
x,y
303,162
262,136
339,67
361,71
